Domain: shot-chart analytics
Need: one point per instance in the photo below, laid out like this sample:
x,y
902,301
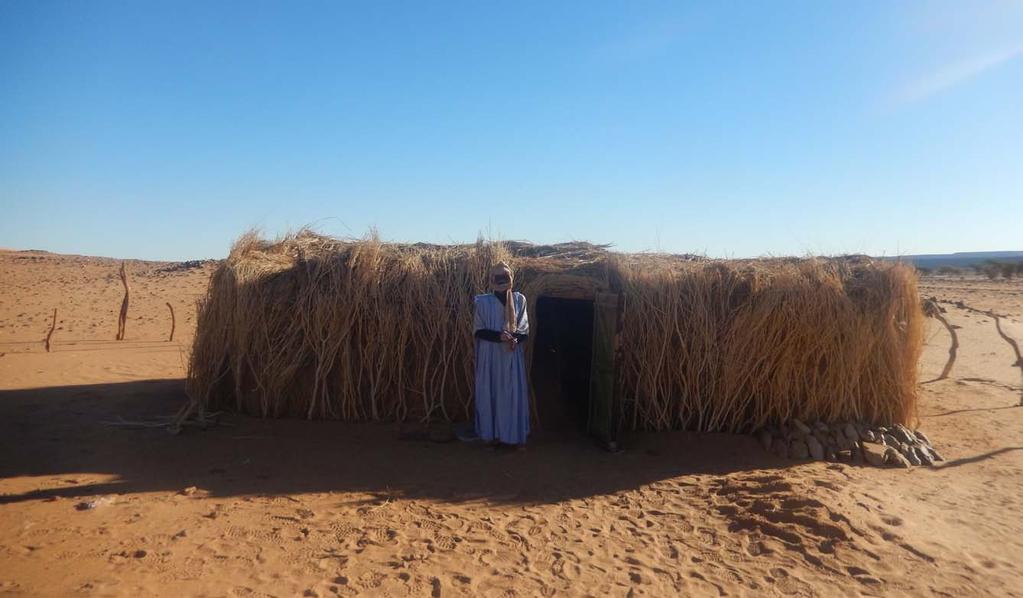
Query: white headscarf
x,y
506,288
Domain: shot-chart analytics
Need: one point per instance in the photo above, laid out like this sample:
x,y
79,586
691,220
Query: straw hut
x,y
316,327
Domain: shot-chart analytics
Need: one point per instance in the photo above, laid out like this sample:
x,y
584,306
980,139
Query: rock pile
x,y
880,446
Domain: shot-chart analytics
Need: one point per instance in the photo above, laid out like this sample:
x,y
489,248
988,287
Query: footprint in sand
x,y
383,535
445,543
892,520
786,583
343,530
754,547
708,536
863,576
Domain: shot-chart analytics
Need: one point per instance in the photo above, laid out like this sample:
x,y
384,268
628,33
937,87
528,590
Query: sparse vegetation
x,y
994,269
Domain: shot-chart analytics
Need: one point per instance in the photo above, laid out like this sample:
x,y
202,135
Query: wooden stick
x,y
171,308
1015,347
183,415
1012,342
122,320
52,328
931,309
998,327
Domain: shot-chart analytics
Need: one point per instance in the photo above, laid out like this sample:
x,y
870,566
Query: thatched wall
x,y
317,327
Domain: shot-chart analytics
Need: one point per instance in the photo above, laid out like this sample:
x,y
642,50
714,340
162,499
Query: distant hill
x,y
963,259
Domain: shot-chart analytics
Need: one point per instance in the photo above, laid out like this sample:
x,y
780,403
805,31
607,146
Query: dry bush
x,y
317,327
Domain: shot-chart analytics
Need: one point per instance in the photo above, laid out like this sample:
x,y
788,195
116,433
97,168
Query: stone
x,y
889,440
845,456
803,428
910,455
819,426
798,450
95,503
873,454
869,436
894,458
831,456
816,450
921,437
850,432
780,448
934,454
923,455
902,434
765,439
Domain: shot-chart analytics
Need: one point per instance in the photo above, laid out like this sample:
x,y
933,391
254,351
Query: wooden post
x,y
931,309
1015,347
52,328
122,320
171,308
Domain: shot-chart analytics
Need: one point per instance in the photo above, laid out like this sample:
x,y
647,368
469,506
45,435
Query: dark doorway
x,y
561,363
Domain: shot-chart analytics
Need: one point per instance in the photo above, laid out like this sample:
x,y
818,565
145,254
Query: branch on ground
x,y
998,327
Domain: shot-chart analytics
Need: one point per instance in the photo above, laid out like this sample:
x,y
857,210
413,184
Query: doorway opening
x,y
562,358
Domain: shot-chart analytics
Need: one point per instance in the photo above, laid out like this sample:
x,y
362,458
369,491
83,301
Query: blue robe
x,y
502,393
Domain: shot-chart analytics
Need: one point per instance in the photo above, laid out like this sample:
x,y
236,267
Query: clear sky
x,y
164,130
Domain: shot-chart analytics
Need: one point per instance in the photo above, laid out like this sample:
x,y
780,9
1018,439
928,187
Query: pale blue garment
x,y
502,394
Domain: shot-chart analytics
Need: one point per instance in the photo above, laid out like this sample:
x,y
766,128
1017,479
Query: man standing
x,y
501,326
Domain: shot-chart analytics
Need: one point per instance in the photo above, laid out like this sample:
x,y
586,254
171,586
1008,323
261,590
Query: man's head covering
x,y
497,270
503,270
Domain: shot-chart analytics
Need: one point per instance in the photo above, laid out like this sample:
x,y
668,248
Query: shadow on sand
x,y
59,435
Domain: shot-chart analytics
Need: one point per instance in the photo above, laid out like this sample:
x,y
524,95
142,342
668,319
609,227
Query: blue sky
x,y
164,130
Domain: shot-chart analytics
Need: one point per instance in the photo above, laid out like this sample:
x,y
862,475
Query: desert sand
x,y
284,508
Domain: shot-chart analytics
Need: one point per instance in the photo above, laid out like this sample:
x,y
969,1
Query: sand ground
x,y
286,508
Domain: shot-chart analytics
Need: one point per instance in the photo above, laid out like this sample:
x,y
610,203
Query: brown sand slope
x,y
318,508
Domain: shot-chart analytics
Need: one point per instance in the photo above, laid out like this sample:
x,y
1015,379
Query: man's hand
x,y
509,339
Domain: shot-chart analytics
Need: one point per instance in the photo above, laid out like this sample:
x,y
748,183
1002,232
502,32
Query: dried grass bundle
x,y
732,346
317,327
